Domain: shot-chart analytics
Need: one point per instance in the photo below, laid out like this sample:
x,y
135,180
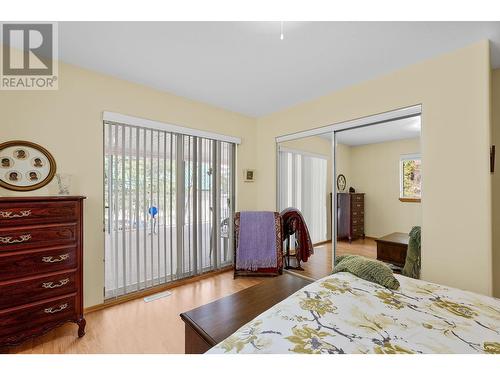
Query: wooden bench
x,y
208,325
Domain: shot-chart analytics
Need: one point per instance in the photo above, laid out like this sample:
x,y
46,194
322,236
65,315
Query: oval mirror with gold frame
x,y
25,166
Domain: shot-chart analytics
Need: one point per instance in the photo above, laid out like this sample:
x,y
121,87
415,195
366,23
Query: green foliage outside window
x,y
412,178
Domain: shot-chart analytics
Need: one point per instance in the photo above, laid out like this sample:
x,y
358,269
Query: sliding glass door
x,y
169,201
303,185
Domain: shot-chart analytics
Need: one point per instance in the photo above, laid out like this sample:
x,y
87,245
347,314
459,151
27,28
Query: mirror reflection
x,y
305,182
359,191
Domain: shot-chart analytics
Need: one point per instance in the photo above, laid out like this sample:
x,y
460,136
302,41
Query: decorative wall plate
x,y
25,166
341,182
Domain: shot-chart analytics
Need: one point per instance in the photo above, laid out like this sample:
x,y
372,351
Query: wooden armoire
x,y
41,268
350,216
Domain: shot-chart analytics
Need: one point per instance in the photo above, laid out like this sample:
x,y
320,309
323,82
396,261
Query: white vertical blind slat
x,y
137,207
195,205
150,204
180,205
129,209
144,211
189,197
158,203
123,210
172,139
116,210
165,206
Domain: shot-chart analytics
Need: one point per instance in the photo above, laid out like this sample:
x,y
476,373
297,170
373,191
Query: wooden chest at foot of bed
x,y
392,248
209,324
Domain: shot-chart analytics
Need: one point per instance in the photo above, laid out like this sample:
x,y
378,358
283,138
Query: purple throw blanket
x,y
257,241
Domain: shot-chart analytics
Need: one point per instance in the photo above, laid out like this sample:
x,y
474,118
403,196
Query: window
x,y
410,184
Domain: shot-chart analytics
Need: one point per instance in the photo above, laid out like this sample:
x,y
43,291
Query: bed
x,y
342,313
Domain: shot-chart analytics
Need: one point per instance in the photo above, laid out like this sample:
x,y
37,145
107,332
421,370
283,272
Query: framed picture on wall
x,y
25,166
249,175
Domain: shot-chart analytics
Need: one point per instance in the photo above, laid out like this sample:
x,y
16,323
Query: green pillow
x,y
412,263
367,269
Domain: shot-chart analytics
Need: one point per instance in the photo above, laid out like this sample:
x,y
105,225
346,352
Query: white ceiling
x,y
385,132
246,68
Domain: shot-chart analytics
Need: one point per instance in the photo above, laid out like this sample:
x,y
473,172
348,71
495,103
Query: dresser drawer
x,y
35,262
357,220
357,206
15,292
19,238
27,213
36,317
358,230
357,214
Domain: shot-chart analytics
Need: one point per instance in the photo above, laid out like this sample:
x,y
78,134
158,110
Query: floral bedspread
x,y
342,313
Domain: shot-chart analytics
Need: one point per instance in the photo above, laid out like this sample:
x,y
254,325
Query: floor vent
x,y
157,296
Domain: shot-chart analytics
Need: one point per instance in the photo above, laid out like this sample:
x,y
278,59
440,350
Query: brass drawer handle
x,y
12,215
52,310
51,285
51,259
11,240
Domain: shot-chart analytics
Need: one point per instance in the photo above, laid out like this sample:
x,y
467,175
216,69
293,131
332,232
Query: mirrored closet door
x,y
358,185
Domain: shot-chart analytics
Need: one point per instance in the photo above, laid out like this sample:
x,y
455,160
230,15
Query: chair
x,y
413,254
270,271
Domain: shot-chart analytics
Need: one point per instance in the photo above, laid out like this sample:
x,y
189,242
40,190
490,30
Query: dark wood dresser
x,y
350,216
40,266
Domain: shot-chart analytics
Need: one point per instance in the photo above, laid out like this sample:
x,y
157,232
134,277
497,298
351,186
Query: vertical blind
x,y
302,184
169,200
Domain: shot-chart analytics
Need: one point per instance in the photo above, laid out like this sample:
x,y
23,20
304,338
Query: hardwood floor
x,y
320,264
136,326
155,327
366,247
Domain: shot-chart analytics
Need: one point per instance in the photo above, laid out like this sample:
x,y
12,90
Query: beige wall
x,y
68,122
321,146
495,113
375,172
343,163
454,92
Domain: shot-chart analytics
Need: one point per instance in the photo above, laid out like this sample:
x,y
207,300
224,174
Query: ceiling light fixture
x,y
282,35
